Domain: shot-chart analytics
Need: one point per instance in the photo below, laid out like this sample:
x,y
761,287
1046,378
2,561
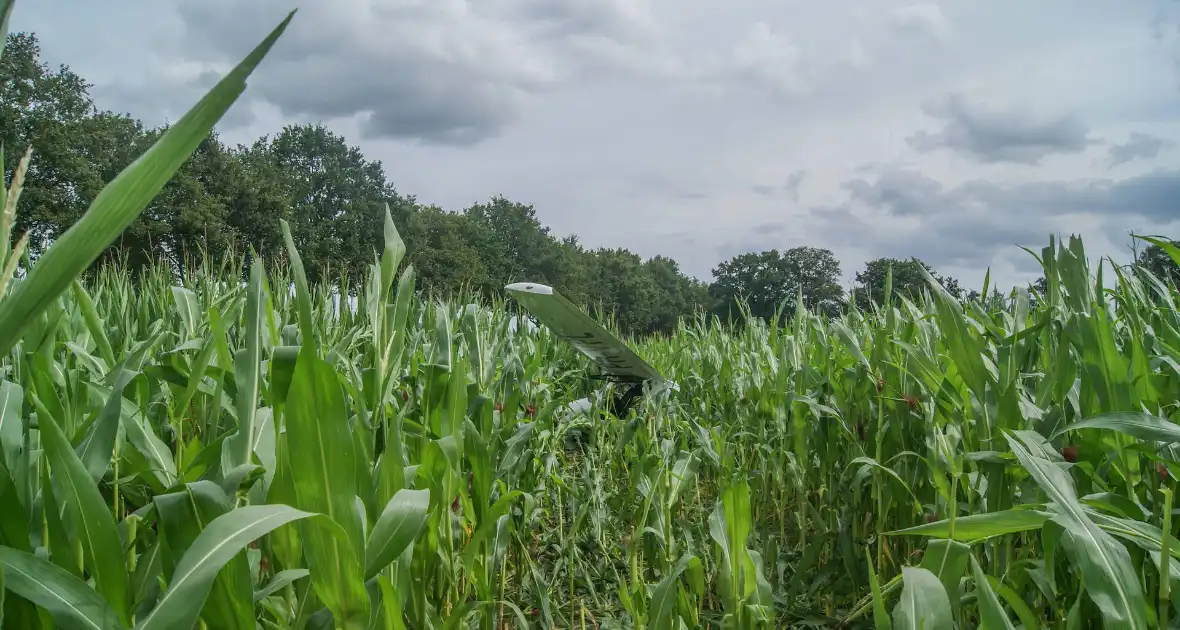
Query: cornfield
x,y
181,448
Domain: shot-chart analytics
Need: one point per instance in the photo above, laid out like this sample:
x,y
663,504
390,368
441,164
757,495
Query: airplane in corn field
x,y
620,365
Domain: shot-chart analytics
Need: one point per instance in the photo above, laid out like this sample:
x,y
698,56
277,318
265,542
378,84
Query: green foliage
x,y
768,281
408,464
908,281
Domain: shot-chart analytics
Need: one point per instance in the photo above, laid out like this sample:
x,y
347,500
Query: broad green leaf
x,y
73,604
145,440
965,350
1111,581
324,470
947,559
975,527
1014,600
94,324
874,464
218,543
183,516
1171,250
399,525
489,525
14,519
923,604
188,308
391,606
302,292
1138,425
57,540
93,523
286,541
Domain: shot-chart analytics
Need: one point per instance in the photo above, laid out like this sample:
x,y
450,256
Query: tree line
x,y
230,198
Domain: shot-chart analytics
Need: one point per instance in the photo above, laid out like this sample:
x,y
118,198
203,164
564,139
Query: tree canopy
x,y
764,280
907,278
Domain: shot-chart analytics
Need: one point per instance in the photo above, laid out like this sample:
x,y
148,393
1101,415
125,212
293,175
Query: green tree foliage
x,y
765,279
908,281
332,197
1158,262
51,109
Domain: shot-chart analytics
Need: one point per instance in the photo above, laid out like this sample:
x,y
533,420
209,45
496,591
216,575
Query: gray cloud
x,y
999,134
968,224
907,193
447,71
898,192
794,180
1138,146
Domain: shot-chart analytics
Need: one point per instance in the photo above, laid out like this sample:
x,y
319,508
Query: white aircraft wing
x,y
576,327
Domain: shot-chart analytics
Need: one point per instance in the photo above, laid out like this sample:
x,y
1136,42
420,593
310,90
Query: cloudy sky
x,y
953,131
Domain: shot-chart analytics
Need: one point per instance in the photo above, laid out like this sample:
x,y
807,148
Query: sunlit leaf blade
x,y
1171,250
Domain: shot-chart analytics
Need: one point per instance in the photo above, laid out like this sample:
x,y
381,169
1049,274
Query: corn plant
x,y
226,445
